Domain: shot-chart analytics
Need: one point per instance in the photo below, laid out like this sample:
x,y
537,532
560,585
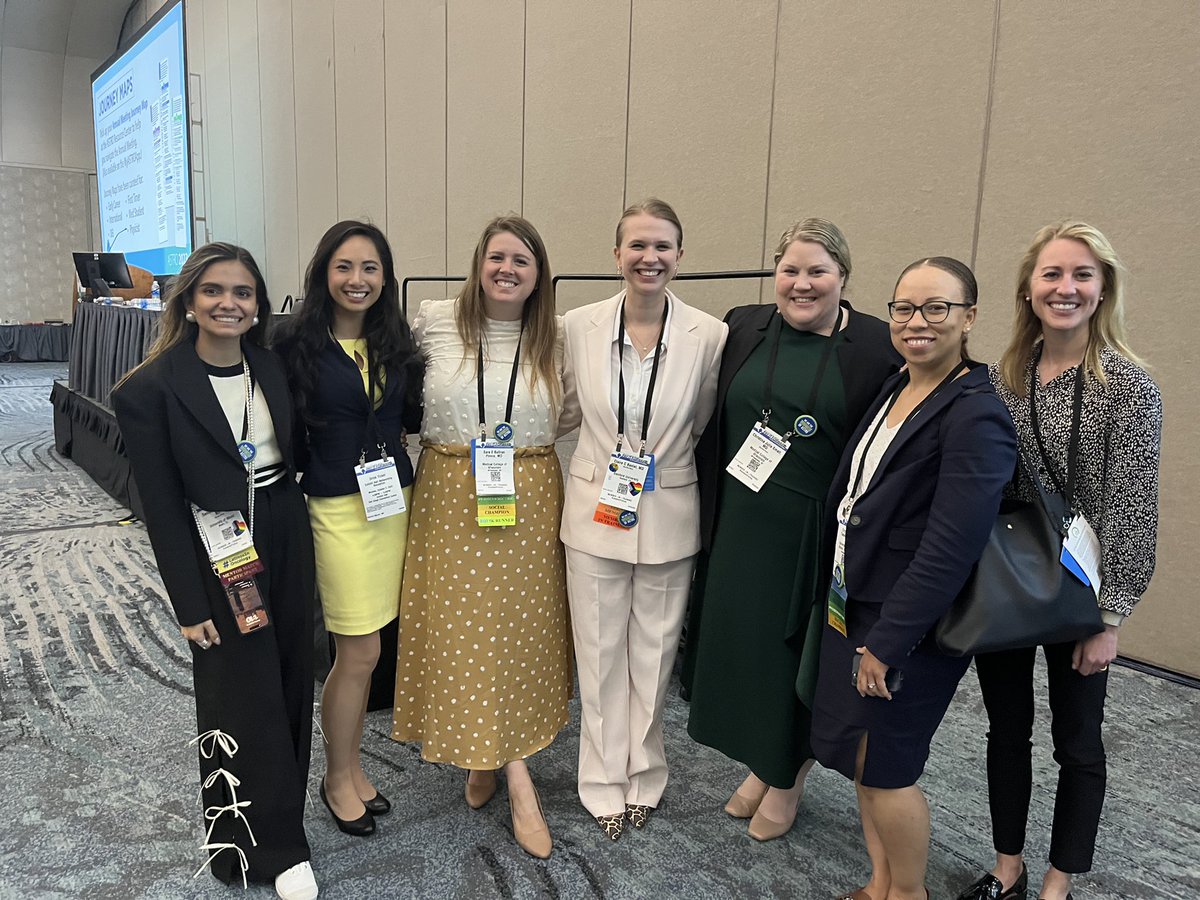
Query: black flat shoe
x,y
378,805
989,888
360,827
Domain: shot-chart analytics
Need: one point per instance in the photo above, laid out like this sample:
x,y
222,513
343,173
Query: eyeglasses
x,y
933,312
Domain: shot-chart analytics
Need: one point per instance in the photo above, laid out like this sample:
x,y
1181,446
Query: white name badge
x,y
493,463
624,483
760,453
1081,552
379,485
224,533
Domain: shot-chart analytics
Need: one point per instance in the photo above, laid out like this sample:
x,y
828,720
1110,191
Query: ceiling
x,y
86,28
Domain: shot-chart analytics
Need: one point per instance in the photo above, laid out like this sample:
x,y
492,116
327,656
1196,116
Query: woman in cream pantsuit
x,y
628,586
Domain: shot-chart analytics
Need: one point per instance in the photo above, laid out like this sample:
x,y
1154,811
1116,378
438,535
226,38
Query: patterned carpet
x,y
99,795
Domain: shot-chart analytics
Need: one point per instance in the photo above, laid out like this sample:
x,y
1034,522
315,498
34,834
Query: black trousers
x,y
258,690
1077,712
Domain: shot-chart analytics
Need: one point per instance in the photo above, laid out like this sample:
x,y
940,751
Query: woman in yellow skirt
x,y
483,674
356,377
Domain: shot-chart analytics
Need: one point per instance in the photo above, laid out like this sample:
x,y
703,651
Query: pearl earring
x,y
190,316
254,321
1101,298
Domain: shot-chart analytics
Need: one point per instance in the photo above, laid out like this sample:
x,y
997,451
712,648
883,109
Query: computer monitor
x,y
101,272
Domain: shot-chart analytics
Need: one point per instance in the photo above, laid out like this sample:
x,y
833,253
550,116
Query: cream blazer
x,y
684,396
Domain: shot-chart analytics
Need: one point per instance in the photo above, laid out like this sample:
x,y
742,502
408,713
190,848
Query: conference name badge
x,y
379,486
837,600
1081,553
758,457
625,480
230,546
495,483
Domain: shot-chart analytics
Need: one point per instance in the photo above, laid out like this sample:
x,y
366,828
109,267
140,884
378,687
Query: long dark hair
x,y
390,344
173,326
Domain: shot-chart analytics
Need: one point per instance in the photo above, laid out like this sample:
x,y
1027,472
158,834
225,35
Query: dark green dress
x,y
755,625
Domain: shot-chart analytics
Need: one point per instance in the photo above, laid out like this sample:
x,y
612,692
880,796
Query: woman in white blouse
x,y
483,674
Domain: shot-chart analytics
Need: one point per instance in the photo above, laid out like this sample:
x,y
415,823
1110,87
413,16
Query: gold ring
x,y
870,685
1104,668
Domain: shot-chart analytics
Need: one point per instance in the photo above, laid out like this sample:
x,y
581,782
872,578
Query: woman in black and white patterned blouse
x,y
1069,325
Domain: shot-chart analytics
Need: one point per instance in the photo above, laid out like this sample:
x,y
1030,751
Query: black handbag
x,y
1021,595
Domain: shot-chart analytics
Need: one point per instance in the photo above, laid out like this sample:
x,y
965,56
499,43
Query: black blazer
x,y
865,359
918,528
182,451
329,451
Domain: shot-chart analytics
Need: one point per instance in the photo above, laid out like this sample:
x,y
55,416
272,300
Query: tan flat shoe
x,y
764,829
741,806
479,793
535,841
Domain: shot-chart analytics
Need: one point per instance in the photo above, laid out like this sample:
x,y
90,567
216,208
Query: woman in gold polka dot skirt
x,y
483,673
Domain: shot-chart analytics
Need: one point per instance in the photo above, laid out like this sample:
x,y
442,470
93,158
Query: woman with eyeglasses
x,y
1069,362
796,377
914,499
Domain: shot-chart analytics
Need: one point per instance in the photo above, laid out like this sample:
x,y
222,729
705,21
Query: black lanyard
x,y
512,391
826,352
372,420
662,328
862,460
1068,489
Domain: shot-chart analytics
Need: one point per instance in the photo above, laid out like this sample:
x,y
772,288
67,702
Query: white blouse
x,y
451,398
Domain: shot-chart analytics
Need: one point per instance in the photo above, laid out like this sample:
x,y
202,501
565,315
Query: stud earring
x,y
254,321
1101,298
190,316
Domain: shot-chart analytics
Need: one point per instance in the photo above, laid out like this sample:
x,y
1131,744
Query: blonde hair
x,y
537,316
1106,327
818,231
651,206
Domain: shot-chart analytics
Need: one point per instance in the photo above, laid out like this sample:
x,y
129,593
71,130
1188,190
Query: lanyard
x,y
248,456
504,429
862,460
372,423
1068,489
805,416
621,378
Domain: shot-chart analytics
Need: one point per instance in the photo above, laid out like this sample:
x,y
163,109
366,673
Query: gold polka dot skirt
x,y
483,669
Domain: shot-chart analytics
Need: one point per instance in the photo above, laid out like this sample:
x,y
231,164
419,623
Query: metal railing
x,y
734,274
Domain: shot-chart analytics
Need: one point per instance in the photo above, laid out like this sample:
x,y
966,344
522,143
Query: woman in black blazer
x,y
914,500
355,375
207,423
746,648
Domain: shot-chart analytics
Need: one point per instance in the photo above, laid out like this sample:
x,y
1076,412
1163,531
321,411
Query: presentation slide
x,y
140,115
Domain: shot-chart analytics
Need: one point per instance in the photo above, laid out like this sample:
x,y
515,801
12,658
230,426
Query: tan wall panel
x,y
699,125
576,73
415,105
484,112
1103,127
31,96
316,147
78,136
358,101
246,106
277,90
884,136
220,151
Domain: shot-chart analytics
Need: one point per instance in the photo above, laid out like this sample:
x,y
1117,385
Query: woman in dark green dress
x,y
795,379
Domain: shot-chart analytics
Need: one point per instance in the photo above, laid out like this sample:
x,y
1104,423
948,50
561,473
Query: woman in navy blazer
x,y
356,377
914,499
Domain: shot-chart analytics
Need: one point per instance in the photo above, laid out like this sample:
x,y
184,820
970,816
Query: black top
x,y
865,359
339,427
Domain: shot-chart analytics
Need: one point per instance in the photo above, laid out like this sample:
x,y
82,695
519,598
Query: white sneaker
x,y
296,883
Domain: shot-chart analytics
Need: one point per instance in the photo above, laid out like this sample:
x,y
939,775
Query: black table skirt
x,y
107,342
35,343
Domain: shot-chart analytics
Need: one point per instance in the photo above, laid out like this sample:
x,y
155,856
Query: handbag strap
x,y
1067,489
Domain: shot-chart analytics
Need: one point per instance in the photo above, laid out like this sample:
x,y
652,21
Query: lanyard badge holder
x,y
379,479
228,537
627,477
492,461
764,448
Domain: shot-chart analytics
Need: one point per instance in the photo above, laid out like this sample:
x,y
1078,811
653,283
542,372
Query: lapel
x,y
674,369
599,359
916,424
270,380
740,345
189,381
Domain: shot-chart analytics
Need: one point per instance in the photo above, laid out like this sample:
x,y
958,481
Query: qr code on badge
x,y
623,488
753,464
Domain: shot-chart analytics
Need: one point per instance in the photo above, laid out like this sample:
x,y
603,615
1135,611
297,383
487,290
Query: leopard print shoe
x,y
614,826
638,815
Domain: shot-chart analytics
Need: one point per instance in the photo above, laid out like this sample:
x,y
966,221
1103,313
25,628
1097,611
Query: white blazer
x,y
685,394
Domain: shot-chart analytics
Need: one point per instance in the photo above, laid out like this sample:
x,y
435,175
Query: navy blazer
x,y
181,449
917,530
332,446
865,357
